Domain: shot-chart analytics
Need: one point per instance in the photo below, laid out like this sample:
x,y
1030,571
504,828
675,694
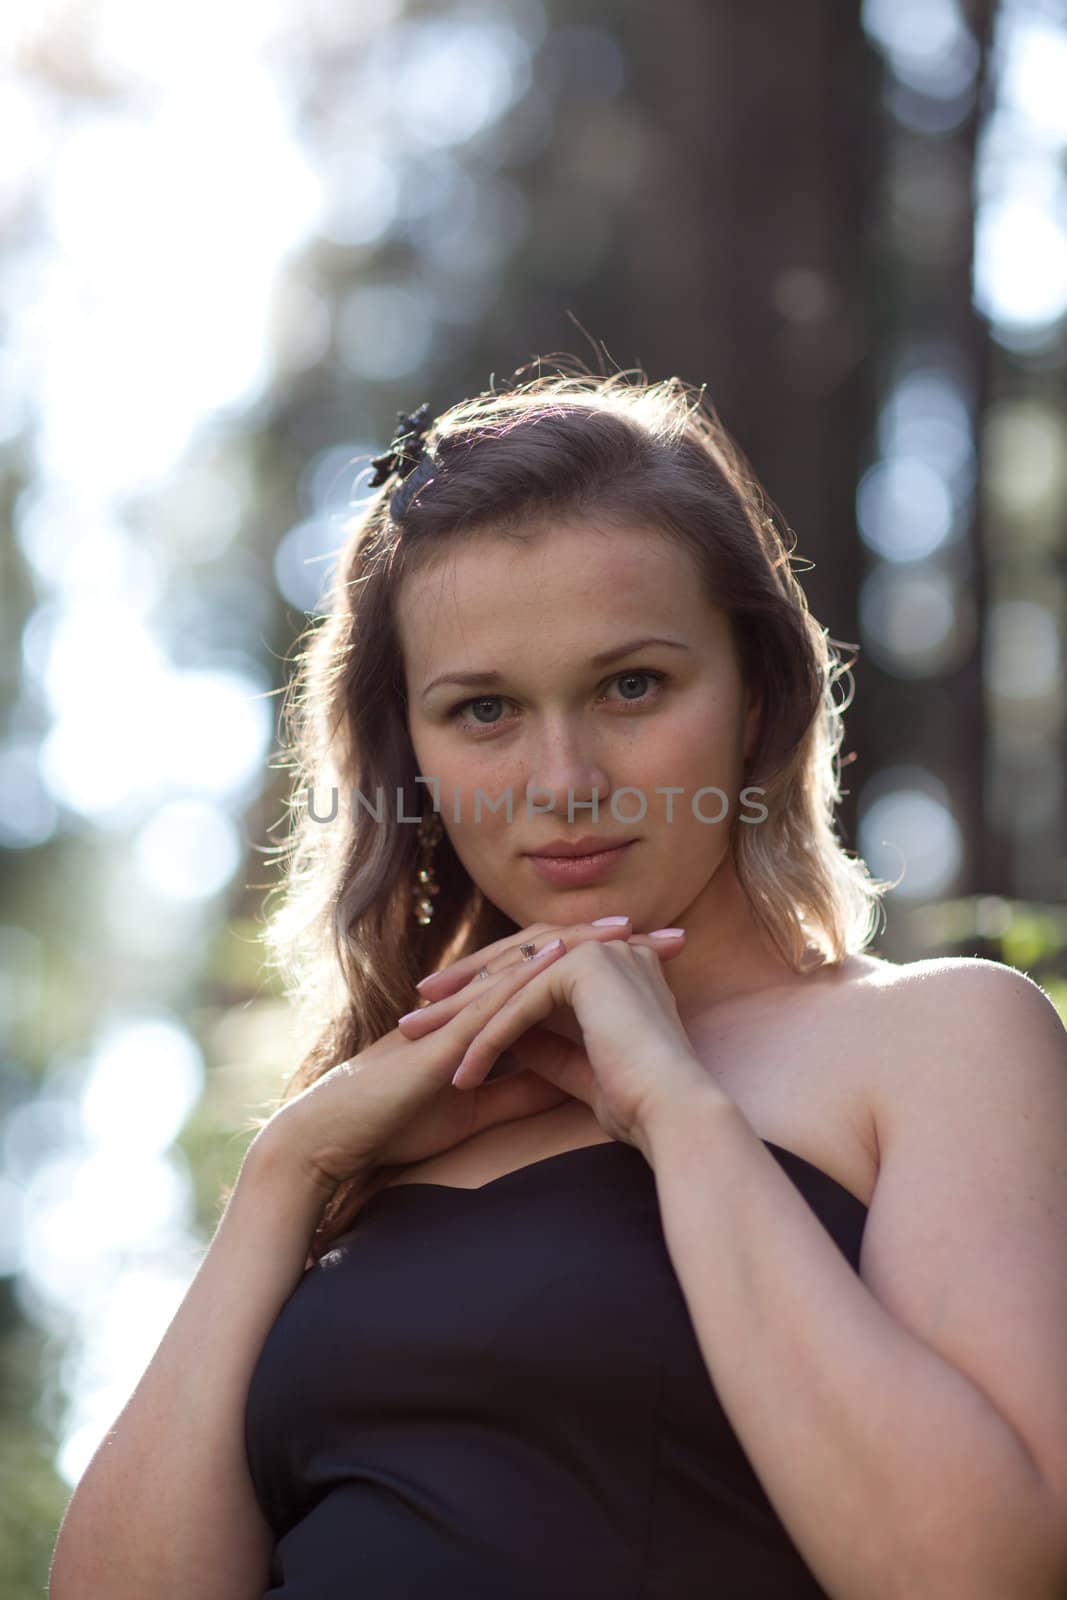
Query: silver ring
x,y
483,972
528,951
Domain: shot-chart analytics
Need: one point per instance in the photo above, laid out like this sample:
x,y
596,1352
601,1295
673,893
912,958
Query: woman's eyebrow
x,y
485,680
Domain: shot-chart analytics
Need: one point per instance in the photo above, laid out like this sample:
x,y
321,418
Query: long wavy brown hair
x,y
560,445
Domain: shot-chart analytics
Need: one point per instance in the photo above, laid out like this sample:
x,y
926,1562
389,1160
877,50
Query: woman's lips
x,y
580,870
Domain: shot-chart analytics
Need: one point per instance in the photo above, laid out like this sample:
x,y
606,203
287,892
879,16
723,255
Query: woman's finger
x,y
452,1038
501,1025
507,1017
438,985
414,1024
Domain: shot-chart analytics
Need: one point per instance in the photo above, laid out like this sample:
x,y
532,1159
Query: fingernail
x,y
407,1017
547,948
608,922
666,933
427,978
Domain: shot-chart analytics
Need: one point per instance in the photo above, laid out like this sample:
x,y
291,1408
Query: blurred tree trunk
x,y
747,262
760,258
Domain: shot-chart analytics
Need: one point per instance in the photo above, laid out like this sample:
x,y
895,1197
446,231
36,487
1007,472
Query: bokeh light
x,y
907,831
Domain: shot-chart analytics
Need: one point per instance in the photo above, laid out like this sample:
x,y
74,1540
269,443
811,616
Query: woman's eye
x,y
481,704
625,680
630,677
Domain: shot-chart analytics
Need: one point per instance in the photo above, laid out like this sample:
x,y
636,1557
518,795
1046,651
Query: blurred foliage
x,y
1030,937
34,1495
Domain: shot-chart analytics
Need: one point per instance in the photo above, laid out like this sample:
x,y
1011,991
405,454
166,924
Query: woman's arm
x,y
894,1471
166,1507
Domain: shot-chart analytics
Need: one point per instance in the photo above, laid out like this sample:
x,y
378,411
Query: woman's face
x,y
550,725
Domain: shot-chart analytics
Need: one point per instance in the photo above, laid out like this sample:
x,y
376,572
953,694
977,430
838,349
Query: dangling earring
x,y
426,884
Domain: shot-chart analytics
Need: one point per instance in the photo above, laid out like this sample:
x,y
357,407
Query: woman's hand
x,y
635,1060
447,991
394,1103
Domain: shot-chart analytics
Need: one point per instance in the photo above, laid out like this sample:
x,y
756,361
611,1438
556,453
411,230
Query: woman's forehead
x,y
556,569
483,610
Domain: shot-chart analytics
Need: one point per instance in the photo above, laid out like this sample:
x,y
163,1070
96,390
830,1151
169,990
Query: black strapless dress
x,y
497,1394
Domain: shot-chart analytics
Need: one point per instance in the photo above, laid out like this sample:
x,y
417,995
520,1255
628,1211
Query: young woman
x,y
672,1245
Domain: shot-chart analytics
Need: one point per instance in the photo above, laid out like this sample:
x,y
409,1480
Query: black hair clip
x,y
405,447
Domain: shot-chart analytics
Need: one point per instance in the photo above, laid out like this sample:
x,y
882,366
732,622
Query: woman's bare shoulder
x,y
931,974
934,977
907,1011
919,1020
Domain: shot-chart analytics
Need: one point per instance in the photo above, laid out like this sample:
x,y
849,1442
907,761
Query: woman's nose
x,y
566,779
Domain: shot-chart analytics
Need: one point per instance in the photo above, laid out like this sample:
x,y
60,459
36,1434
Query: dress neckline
x,y
518,1173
